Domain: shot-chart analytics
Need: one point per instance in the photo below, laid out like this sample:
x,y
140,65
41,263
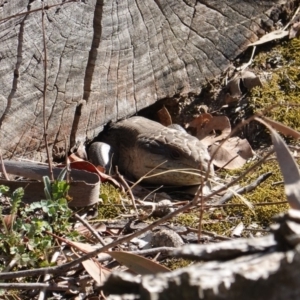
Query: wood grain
x,y
109,59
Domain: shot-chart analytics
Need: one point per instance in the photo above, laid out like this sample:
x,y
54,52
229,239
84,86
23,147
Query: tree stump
x,y
106,60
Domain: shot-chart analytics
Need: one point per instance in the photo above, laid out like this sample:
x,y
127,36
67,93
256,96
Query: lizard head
x,y
172,157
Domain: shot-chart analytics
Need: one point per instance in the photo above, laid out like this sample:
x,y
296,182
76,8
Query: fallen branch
x,y
246,189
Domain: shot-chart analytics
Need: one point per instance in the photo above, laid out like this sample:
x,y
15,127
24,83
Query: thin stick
x,y
37,9
67,162
243,204
212,234
245,189
91,229
128,190
47,277
201,212
44,94
3,168
31,286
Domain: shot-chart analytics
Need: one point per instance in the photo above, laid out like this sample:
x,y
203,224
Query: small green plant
x,y
24,238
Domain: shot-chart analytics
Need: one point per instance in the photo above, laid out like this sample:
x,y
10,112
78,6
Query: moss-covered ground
x,y
279,98
282,91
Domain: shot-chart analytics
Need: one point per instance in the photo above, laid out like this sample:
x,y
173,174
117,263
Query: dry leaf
x,y
8,220
287,131
287,164
138,264
83,230
274,35
200,121
233,153
81,151
289,170
250,80
97,272
294,30
216,129
238,230
233,86
164,117
89,167
230,99
84,247
84,187
73,157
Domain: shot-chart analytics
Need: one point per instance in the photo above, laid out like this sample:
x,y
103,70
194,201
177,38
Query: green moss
x,y
283,90
176,263
110,207
222,220
190,219
266,192
222,227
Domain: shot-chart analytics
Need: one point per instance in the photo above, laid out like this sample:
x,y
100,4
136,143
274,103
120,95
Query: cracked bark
x,y
109,59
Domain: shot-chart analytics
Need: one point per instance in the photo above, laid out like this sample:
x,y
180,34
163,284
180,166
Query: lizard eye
x,y
174,154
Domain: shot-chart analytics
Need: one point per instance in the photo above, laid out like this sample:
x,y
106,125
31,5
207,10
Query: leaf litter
x,y
214,132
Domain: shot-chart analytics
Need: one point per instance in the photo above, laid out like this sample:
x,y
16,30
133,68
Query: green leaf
x,y
62,174
59,189
16,197
3,189
13,250
33,206
46,242
47,194
63,204
47,187
25,259
21,248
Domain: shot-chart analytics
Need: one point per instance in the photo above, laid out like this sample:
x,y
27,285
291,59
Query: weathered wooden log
x,y
108,59
262,268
